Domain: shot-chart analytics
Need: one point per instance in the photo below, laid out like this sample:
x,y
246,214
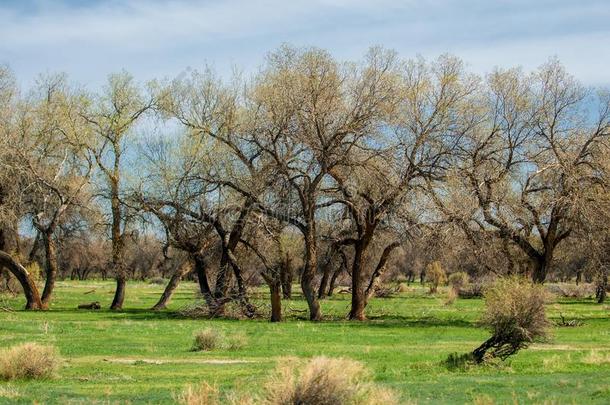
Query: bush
x,y
515,315
451,297
207,339
324,381
435,275
210,339
458,280
572,290
28,361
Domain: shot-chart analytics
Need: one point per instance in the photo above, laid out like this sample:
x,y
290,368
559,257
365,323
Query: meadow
x,y
140,356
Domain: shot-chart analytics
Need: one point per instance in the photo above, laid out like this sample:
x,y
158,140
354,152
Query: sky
x,y
88,39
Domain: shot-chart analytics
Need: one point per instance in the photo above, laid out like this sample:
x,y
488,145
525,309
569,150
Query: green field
x,y
138,356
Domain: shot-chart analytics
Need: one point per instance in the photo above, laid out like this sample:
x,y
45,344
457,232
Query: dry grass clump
x,y
324,381
207,339
403,288
211,339
597,358
452,295
29,361
458,280
435,275
206,394
583,290
202,394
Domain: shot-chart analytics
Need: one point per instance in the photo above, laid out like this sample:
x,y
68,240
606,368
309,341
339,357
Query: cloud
x,y
161,37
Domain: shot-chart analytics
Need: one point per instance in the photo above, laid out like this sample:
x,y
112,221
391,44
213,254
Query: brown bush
x,y
29,361
207,339
451,297
435,275
515,315
458,280
324,381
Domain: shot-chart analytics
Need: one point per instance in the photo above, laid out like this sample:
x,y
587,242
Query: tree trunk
x,y
325,277
539,271
276,300
119,293
333,279
171,287
30,290
358,297
202,278
309,272
602,286
50,266
479,353
286,279
118,244
376,276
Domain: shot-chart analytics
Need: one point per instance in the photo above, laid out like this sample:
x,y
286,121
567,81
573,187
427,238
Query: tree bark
x,y
276,300
358,296
118,243
119,293
30,290
202,278
174,281
286,279
50,266
309,272
376,276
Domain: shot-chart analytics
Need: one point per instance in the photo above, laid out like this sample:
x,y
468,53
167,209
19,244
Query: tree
x,y
522,169
10,183
411,145
52,161
111,117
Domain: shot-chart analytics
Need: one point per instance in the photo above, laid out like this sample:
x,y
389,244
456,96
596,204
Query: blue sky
x,y
160,38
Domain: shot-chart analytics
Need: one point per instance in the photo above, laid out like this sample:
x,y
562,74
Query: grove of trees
x,y
310,169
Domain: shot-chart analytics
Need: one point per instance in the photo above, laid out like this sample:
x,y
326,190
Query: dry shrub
x,y
572,290
458,280
206,394
324,381
452,295
515,315
207,339
29,361
435,275
203,394
210,339
403,288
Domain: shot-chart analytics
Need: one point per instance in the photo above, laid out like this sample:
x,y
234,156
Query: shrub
x,y
28,361
207,339
458,280
435,275
451,297
210,339
515,316
324,381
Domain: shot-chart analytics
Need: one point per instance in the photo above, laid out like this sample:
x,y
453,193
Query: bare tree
x,y
111,117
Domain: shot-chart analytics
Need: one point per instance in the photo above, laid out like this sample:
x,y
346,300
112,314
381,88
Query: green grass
x,y
403,343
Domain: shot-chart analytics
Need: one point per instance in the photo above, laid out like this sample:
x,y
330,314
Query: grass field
x,y
137,356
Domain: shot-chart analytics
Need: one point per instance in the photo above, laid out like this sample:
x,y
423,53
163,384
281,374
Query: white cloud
x,y
162,37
